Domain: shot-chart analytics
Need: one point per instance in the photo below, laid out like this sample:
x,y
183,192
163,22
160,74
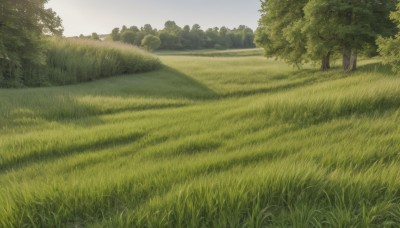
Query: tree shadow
x,y
164,83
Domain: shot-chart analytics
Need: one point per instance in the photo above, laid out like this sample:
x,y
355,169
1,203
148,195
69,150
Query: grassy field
x,y
216,53
205,142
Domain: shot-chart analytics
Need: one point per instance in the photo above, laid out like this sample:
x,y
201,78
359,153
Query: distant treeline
x,y
174,37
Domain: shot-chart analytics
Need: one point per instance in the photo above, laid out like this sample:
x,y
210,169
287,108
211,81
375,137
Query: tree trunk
x,y
353,60
326,65
346,58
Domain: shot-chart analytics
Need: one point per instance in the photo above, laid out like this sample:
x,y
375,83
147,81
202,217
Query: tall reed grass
x,y
72,61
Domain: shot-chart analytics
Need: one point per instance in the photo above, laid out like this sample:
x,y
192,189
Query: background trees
x,y
151,42
174,37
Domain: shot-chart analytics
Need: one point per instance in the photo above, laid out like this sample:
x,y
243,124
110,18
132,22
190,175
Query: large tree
x,y
348,26
301,30
280,30
23,23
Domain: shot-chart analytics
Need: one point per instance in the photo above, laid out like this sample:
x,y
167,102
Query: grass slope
x,y
70,61
205,142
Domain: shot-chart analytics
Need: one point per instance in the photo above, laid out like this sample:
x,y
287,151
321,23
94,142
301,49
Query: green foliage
x,y
298,31
128,37
151,43
76,60
174,37
115,34
389,48
280,30
95,36
205,142
22,25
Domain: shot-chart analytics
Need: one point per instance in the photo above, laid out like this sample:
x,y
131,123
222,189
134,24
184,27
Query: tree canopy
x,y
313,30
151,42
22,27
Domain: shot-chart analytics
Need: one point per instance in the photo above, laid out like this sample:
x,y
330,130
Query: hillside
x,y
205,142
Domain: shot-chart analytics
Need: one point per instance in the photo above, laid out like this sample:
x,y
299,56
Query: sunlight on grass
x,y
205,142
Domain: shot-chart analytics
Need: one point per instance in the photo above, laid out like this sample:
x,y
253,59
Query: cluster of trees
x,y
299,31
173,37
23,25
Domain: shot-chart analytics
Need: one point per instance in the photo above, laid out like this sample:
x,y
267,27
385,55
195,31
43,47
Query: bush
x,y
151,42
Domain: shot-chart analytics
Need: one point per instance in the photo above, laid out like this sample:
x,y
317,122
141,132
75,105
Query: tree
x,y
134,29
302,30
22,27
280,30
123,29
389,48
128,37
151,42
170,36
95,36
348,26
211,37
245,35
186,38
148,30
115,35
224,38
197,37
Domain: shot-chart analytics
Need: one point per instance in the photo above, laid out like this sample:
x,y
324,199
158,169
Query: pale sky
x,y
101,16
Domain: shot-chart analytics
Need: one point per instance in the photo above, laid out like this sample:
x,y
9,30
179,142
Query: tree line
x,y
300,31
174,37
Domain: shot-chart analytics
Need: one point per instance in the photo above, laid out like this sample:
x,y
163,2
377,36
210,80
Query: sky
x,y
101,16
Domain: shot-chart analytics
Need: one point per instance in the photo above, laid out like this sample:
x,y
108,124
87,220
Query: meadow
x,y
217,140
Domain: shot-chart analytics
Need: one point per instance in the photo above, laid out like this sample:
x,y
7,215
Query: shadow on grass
x,y
56,153
167,83
166,88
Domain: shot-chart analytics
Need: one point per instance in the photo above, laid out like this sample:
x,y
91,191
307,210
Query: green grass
x,y
205,142
216,53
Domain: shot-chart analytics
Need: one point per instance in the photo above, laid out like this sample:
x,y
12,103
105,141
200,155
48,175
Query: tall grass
x,y
205,142
77,60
